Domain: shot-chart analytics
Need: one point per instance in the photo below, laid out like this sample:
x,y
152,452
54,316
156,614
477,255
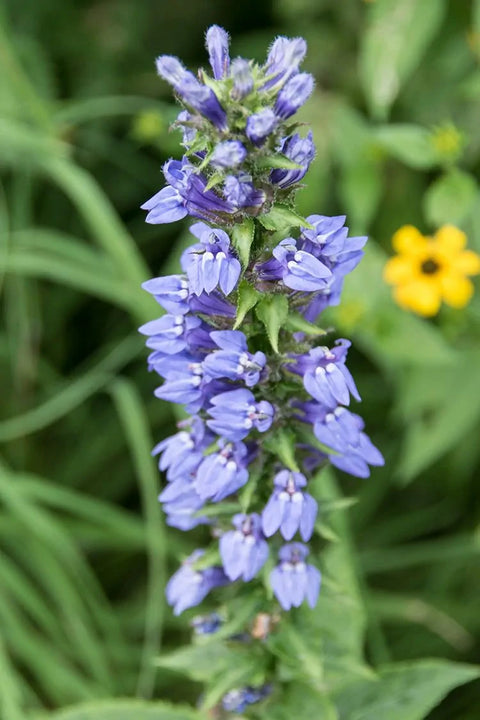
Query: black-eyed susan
x,y
429,270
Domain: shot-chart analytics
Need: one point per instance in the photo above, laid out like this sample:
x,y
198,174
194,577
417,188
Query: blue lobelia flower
x,y
301,270
244,550
293,580
341,430
325,375
207,624
169,334
236,413
284,58
212,304
181,503
260,125
241,74
224,472
181,454
228,154
187,587
210,263
233,361
171,292
289,509
217,43
240,192
293,95
299,150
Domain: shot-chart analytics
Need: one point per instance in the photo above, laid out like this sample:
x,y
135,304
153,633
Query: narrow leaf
x,y
272,311
246,300
242,238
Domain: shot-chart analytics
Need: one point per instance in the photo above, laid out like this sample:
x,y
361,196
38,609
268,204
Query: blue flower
x,y
289,509
236,412
180,454
325,375
210,263
238,699
341,430
217,43
222,473
171,69
301,270
234,361
292,580
213,304
293,95
171,292
260,125
187,587
241,74
181,504
206,624
240,192
228,154
284,58
244,550
299,150
169,333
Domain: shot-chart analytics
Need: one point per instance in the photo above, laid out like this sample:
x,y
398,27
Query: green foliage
x,y
272,311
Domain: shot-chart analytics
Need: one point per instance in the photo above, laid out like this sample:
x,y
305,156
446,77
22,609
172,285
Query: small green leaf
x,y
215,179
300,700
450,198
247,299
242,238
411,144
277,161
282,219
282,444
272,311
296,322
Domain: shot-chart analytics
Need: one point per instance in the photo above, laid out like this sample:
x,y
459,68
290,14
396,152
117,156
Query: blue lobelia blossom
x,y
236,412
325,375
341,431
289,508
260,125
217,43
210,263
293,580
207,624
234,361
293,95
232,323
300,151
238,699
187,587
224,472
228,154
244,550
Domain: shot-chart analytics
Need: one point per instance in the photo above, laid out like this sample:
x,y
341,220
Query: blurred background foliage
x,y
84,129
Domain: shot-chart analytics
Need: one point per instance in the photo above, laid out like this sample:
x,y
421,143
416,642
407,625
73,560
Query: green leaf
x,y
215,179
361,189
125,710
277,161
396,38
302,701
282,219
272,311
247,299
404,691
282,444
450,198
242,238
297,322
411,144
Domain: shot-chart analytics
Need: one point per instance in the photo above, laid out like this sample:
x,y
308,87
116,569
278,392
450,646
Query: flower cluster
x,y
268,404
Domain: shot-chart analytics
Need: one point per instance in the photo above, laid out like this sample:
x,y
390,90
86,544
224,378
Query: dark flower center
x,y
430,266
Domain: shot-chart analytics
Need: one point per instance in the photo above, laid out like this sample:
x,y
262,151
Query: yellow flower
x,y
427,270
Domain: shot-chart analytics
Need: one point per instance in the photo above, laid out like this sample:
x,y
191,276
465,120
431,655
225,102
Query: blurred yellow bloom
x,y
427,270
448,141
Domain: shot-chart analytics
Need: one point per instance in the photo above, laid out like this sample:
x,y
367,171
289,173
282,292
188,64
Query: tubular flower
x,y
226,349
430,270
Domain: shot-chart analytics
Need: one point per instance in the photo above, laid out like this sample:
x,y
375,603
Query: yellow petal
x,y
456,289
423,297
467,263
408,240
450,239
398,270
